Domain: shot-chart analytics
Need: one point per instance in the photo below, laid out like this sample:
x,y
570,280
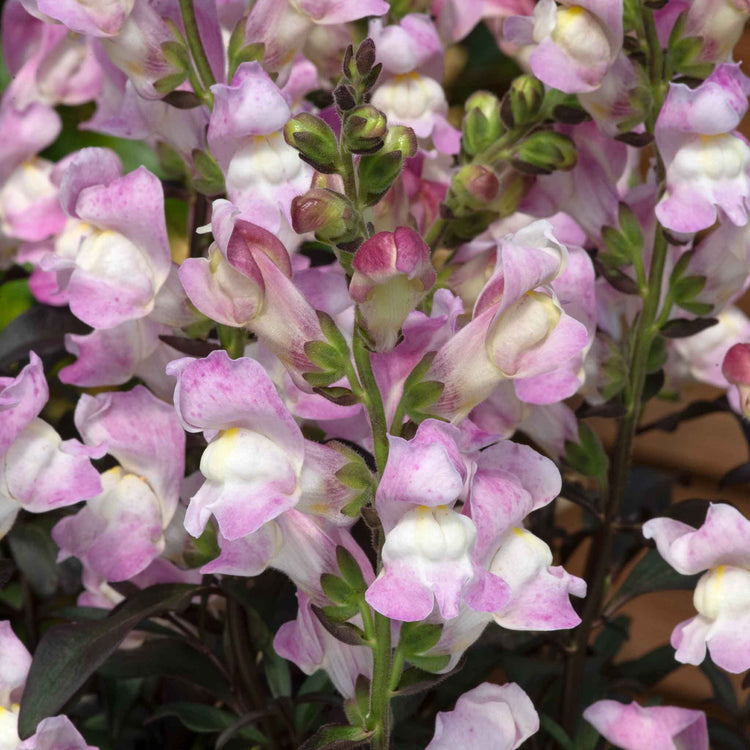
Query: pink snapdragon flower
x,y
427,555
708,165
99,19
409,90
137,48
284,26
519,328
29,201
299,545
633,727
38,470
575,44
736,369
115,257
721,547
48,63
254,457
262,172
311,647
120,532
53,733
392,273
246,281
501,717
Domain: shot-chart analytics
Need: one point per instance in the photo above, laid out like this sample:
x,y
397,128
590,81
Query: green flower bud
x,y
545,151
315,141
378,171
474,186
482,123
523,101
327,213
364,129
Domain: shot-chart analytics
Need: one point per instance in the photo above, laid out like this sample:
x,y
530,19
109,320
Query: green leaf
x,y
425,394
15,298
170,658
277,673
722,687
651,667
197,717
631,228
587,456
68,655
321,379
356,475
431,664
657,355
651,573
324,355
417,638
334,620
350,570
337,589
688,287
555,731
337,737
35,555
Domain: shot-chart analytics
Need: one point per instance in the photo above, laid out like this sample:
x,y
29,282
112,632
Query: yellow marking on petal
x,y
520,532
319,509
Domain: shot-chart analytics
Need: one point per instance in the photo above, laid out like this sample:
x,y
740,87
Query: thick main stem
x,y
598,562
380,691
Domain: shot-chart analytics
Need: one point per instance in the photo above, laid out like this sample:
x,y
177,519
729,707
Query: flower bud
x,y
378,171
364,129
736,369
392,273
315,141
522,102
482,123
475,186
545,151
327,213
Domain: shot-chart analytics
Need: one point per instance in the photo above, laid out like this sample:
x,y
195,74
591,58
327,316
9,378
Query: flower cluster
x,y
317,317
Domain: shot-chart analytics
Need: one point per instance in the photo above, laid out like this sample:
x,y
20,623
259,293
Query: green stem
x,y
372,400
398,668
642,337
347,174
197,52
436,232
380,693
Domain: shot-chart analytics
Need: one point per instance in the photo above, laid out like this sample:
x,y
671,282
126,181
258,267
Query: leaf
x,y
416,680
722,687
680,328
555,731
651,573
69,654
692,411
738,475
337,589
243,724
168,657
182,99
432,664
191,347
587,456
336,737
651,667
42,329
7,568
198,717
15,298
350,570
343,631
418,638
36,557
